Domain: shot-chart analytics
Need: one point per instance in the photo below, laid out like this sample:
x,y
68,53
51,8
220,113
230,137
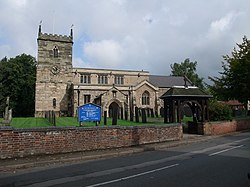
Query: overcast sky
x,y
130,34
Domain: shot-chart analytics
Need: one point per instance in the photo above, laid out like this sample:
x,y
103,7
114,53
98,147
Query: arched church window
x,y
55,52
54,102
145,98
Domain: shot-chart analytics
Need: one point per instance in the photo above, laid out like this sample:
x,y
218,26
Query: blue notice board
x,y
89,112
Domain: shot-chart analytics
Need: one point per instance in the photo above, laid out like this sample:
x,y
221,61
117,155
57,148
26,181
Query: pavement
x,y
14,165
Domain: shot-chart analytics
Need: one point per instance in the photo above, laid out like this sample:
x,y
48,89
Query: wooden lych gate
x,y
177,97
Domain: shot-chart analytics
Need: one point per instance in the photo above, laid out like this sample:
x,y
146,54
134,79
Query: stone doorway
x,y
114,109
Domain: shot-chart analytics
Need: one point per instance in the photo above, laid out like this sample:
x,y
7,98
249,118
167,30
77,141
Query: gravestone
x,y
126,115
8,113
136,115
131,115
144,116
148,112
53,118
152,113
105,117
121,113
114,116
162,112
156,114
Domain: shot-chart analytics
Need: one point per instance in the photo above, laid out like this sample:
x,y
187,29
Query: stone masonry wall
x,y
26,142
223,127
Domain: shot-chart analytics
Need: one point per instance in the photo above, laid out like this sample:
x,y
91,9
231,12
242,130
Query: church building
x,y
62,88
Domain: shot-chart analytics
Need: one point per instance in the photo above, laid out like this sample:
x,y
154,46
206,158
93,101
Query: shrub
x,y
219,111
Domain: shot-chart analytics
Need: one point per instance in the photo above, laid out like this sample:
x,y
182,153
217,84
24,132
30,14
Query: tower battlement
x,y
55,37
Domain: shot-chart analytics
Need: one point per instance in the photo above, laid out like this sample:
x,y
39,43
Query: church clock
x,y
55,69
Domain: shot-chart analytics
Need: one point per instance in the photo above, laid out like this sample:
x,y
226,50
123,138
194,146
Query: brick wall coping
x,y
232,120
65,128
224,127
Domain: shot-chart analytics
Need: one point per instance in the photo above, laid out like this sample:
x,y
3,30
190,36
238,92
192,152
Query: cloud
x,y
223,24
4,51
107,53
78,62
119,2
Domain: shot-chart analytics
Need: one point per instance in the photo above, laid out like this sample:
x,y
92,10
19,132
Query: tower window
x,y
55,52
54,102
145,98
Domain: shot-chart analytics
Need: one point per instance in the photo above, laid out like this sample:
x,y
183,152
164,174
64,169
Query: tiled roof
x,y
167,81
185,92
233,103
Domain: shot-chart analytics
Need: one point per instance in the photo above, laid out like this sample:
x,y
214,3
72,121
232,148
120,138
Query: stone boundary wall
x,y
15,142
223,127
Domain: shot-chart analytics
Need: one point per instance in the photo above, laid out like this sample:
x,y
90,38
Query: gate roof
x,y
182,91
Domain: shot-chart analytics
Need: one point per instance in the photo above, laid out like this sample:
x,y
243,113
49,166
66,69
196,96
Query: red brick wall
x,y
223,127
25,142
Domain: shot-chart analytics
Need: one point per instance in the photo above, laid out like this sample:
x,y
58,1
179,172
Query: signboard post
x,y
89,112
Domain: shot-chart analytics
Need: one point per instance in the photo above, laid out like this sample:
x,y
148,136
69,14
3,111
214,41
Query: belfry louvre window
x,y
119,79
145,98
102,79
85,79
55,52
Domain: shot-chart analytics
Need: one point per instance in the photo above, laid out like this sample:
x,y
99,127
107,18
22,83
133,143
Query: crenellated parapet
x,y
55,37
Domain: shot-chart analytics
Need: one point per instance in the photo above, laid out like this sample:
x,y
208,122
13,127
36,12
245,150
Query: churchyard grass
x,y
186,119
65,121
31,122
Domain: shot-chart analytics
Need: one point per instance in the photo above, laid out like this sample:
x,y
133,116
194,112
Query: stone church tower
x,y
54,86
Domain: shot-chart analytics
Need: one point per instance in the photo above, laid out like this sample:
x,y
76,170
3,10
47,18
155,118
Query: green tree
x,y
17,80
219,111
188,69
234,82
